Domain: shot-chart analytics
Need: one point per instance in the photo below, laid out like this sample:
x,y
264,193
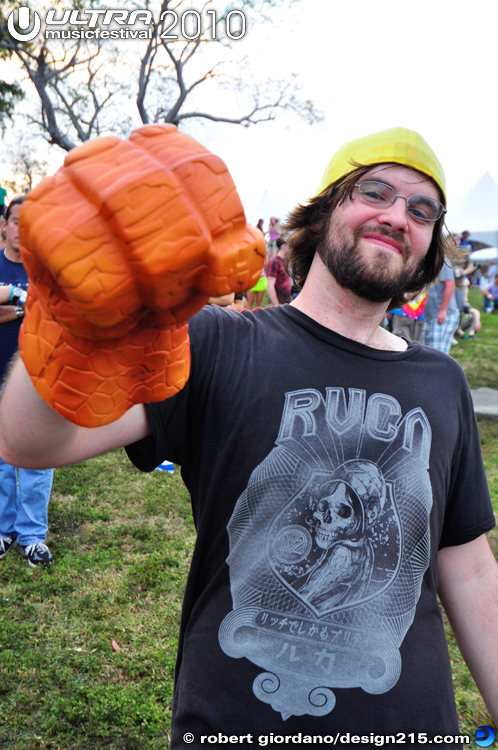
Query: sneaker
x,y
6,542
37,554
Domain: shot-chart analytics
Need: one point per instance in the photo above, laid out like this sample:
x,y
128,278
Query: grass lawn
x,y
87,648
471,709
479,358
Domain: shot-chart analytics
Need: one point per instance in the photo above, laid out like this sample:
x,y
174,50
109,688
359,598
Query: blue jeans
x,y
24,496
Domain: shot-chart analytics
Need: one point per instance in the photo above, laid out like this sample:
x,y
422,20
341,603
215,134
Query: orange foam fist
x,y
122,245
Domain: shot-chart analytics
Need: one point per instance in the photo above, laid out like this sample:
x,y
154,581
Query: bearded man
x,y
388,421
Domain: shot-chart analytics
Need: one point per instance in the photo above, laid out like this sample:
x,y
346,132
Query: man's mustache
x,y
399,238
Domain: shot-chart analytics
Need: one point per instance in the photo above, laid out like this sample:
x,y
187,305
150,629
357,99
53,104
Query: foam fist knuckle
x,y
123,244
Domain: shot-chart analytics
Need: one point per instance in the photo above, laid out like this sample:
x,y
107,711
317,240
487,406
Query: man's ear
x,y
317,226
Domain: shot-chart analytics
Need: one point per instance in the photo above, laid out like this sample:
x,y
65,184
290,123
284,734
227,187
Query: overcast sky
x,y
430,65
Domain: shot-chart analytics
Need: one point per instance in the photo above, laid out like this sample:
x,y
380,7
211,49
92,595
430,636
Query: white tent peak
x,y
266,207
477,210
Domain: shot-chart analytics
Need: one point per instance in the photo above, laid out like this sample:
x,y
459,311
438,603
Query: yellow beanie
x,y
396,145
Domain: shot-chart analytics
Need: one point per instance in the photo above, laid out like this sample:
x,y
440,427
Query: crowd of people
x,y
442,313
437,317
274,286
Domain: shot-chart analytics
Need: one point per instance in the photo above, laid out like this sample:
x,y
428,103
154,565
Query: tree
x,y
71,83
79,82
27,167
10,94
165,63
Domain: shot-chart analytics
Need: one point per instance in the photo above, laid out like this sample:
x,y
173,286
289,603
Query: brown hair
x,y
14,202
308,226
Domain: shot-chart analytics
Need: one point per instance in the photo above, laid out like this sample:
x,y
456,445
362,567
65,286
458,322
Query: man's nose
x,y
395,215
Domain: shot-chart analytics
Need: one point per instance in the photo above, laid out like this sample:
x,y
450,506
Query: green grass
x,y
471,709
479,358
123,541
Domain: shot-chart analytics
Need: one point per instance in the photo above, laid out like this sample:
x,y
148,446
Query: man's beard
x,y
374,281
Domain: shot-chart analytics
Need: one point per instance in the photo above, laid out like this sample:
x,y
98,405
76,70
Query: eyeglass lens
x,y
420,207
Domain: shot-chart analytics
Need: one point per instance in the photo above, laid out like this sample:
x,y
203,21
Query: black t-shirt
x,y
323,483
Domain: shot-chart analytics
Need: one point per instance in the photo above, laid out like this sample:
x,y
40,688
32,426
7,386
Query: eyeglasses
x,y
421,207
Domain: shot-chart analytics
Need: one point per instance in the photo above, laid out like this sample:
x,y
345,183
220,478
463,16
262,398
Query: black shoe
x,y
37,554
6,543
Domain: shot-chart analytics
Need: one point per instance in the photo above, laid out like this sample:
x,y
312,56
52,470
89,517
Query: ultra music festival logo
x,y
328,547
92,24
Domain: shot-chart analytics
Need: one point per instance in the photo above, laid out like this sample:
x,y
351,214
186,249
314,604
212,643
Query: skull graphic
x,y
337,515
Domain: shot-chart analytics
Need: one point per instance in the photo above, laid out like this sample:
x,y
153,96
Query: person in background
x,y
466,242
225,300
491,296
256,294
488,274
273,233
470,322
3,196
279,283
407,321
24,493
441,311
462,270
239,303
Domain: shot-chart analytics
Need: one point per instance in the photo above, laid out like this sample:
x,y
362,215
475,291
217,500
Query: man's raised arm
x,y
122,246
34,436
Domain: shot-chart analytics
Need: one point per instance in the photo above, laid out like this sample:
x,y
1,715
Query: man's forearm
x,y
34,436
30,431
469,593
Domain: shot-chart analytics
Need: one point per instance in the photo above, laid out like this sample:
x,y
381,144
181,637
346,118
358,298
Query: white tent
x,y
486,255
267,206
477,211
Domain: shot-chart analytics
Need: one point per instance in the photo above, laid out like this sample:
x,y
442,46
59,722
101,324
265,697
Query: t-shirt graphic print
x,y
328,547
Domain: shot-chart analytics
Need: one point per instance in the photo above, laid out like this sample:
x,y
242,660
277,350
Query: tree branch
x,y
39,80
77,95
145,72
